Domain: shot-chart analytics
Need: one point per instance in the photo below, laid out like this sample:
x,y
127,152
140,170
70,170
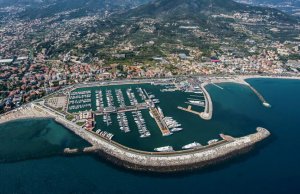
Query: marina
x,y
136,99
245,166
140,111
141,119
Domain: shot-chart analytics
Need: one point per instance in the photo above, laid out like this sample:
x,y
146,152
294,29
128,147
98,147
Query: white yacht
x,y
176,129
160,111
212,141
164,149
192,146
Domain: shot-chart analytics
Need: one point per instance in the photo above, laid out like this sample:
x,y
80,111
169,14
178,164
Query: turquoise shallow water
x,y
273,167
36,138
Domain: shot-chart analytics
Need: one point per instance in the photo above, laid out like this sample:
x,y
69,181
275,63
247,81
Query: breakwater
x,y
147,161
208,111
181,160
265,103
240,80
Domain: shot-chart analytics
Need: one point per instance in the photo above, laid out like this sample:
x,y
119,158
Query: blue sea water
x,y
272,167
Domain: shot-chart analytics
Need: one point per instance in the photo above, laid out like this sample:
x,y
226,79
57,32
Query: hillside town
x,y
40,56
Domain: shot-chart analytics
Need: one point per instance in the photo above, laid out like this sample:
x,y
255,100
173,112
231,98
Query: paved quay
x,y
208,111
140,160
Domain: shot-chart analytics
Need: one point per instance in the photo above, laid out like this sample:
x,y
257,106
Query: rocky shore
x,y
182,160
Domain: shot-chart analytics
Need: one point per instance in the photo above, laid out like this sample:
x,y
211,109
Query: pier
x,y
141,106
217,86
241,80
160,123
189,109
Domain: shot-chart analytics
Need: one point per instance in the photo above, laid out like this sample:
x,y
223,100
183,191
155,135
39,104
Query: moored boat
x,y
192,146
176,129
164,149
212,141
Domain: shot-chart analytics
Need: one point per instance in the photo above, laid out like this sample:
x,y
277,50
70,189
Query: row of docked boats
x,y
140,122
142,94
153,99
80,100
99,100
81,94
123,122
196,90
194,145
110,104
105,134
80,106
132,99
172,124
107,119
169,88
120,97
121,117
109,98
196,100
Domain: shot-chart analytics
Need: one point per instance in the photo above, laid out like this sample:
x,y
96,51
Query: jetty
x,y
261,98
108,110
189,109
265,103
160,122
240,80
217,86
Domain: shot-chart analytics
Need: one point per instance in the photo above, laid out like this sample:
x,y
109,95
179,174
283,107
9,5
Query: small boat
x,y
212,141
160,111
192,146
164,149
176,129
198,92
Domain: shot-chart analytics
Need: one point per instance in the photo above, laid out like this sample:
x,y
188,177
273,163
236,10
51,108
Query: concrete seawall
x,y
148,161
178,161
